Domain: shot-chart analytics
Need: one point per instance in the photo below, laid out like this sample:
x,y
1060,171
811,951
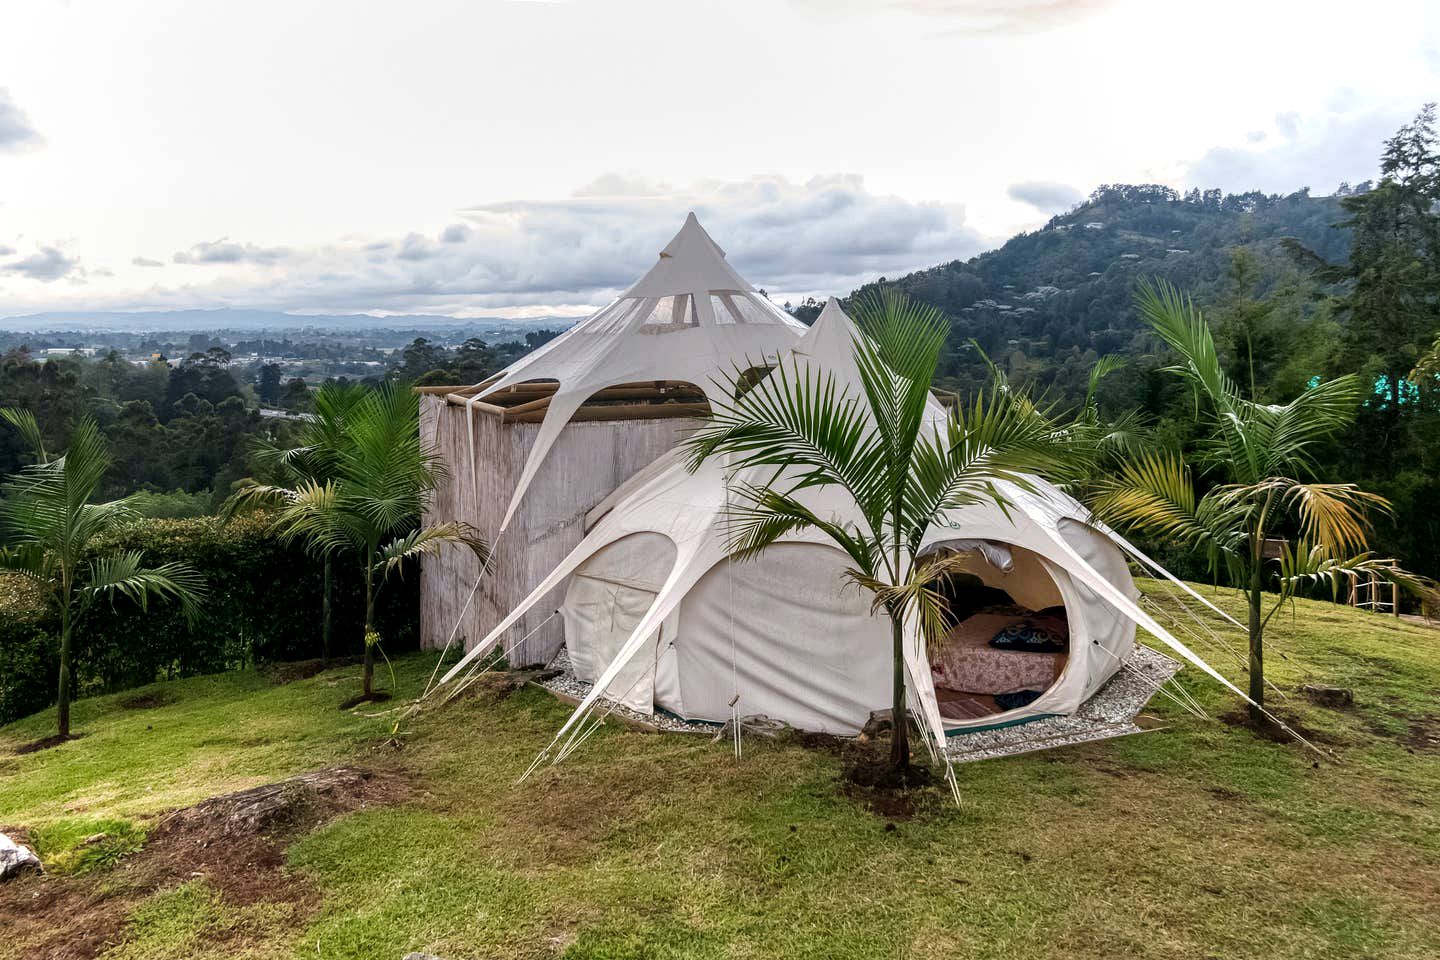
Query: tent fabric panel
x,y
608,595
695,555
1108,627
806,649
667,668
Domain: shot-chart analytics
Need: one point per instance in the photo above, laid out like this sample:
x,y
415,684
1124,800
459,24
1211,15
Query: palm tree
x,y
314,458
371,503
1254,453
48,514
804,430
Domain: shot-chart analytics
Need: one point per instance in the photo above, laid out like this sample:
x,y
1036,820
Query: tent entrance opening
x,y
1008,639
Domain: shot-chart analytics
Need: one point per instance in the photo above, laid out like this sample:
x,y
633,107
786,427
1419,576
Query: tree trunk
x,y
62,696
369,633
325,614
1257,649
900,721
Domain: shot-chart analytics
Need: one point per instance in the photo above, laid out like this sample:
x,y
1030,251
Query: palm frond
x,y
124,575
1308,563
384,469
316,514
1103,367
49,503
1174,316
801,419
31,561
430,541
250,494
24,423
1155,492
1283,434
918,593
896,354
996,438
762,515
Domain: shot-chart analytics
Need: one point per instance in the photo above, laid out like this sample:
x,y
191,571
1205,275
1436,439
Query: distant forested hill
x,y
1047,303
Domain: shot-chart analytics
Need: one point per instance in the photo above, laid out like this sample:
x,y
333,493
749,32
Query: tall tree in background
x,y
1388,307
48,513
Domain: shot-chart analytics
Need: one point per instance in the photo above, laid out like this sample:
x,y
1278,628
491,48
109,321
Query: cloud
x,y
16,131
1317,151
46,264
146,262
984,16
225,250
6,251
1046,196
821,236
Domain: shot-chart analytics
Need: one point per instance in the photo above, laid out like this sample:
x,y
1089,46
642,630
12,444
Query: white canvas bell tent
x,y
657,616
690,319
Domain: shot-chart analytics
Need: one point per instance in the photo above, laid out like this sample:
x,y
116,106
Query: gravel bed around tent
x,y
1110,713
570,687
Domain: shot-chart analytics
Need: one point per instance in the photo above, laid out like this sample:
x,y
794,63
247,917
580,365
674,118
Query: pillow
x,y
1016,700
1050,623
1027,637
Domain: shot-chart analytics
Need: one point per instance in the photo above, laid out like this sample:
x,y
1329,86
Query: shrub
x,y
263,605
174,505
29,661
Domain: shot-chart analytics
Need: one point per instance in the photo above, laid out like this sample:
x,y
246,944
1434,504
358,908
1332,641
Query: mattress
x,y
969,663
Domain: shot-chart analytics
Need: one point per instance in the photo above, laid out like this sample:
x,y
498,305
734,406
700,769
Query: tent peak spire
x,y
691,262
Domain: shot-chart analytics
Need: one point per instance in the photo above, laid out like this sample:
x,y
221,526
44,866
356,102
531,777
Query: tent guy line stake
x,y
489,663
1213,636
454,631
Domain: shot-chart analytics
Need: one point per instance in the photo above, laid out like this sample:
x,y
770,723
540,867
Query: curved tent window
x,y
734,307
607,597
613,319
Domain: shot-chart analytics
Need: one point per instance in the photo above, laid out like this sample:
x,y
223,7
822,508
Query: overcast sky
x,y
497,157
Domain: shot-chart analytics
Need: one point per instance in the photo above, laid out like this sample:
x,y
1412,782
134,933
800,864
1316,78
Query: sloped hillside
x,y
1198,839
1047,303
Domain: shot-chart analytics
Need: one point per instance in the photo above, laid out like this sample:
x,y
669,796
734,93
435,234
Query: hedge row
x,y
262,605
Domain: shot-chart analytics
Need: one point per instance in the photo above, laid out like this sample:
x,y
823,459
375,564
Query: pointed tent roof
x,y
691,318
690,261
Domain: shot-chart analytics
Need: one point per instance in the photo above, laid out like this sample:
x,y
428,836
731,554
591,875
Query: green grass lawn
x,y
1199,840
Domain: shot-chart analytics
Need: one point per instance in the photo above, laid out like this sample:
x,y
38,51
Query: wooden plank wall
x,y
587,462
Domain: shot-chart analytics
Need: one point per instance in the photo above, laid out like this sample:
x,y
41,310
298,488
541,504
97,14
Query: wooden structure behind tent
x,y
617,432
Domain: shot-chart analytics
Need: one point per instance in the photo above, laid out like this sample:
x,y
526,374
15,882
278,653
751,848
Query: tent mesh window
x,y
613,318
669,314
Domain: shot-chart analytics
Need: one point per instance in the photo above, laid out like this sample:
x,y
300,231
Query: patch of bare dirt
x,y
148,701
377,696
868,778
289,671
45,743
235,842
1424,735
1270,727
